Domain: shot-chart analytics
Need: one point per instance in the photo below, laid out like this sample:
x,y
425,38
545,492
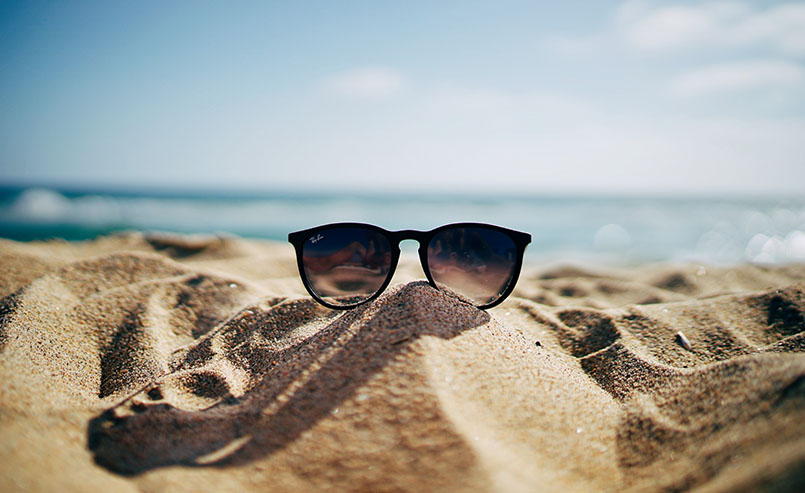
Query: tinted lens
x,y
346,266
475,262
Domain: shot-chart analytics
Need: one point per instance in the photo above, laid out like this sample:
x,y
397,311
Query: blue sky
x,y
557,97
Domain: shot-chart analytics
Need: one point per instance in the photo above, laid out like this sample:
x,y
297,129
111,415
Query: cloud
x,y
724,24
644,27
748,48
739,76
783,26
366,82
674,26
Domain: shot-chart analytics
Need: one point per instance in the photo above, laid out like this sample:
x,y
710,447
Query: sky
x,y
629,97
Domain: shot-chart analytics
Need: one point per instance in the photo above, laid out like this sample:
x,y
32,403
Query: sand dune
x,y
163,363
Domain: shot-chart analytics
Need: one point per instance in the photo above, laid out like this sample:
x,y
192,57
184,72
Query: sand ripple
x,y
174,363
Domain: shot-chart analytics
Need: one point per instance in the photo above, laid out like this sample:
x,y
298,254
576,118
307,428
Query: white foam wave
x,y
610,230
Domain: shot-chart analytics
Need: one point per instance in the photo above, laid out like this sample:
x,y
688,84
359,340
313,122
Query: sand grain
x,y
170,363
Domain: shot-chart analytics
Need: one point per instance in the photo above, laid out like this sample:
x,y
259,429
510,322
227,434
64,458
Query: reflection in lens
x,y
346,265
475,262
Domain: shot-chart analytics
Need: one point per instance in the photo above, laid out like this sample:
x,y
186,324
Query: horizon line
x,y
233,191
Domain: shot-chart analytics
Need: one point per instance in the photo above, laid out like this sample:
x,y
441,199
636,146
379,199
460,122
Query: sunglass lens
x,y
346,265
475,262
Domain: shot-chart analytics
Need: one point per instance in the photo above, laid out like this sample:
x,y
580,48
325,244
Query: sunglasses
x,y
346,264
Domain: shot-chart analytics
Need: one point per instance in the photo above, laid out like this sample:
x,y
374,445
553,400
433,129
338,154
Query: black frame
x,y
298,238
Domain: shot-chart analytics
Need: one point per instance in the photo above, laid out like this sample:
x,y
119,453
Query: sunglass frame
x,y
298,239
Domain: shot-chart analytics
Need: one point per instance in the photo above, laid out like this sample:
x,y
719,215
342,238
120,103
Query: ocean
x,y
612,230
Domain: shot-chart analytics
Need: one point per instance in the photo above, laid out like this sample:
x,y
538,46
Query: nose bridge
x,y
410,267
408,234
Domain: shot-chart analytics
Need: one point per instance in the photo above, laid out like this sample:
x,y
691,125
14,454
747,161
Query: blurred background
x,y
622,131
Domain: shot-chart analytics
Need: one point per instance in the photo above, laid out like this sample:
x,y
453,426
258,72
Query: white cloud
x,y
783,26
675,26
366,82
739,76
721,31
716,24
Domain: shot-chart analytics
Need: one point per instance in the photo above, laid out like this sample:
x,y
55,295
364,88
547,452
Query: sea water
x,y
624,230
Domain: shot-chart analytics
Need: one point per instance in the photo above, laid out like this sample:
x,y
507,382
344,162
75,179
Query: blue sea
x,y
614,230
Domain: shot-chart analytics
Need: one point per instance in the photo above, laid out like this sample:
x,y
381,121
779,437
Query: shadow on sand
x,y
252,386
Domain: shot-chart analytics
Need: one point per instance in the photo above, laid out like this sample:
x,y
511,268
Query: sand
x,y
168,363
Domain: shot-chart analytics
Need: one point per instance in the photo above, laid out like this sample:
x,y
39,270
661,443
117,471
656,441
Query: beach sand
x,y
170,363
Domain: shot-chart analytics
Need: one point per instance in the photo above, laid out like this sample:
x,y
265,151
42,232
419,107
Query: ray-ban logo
x,y
317,238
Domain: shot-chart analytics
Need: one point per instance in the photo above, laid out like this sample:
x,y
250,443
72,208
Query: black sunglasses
x,y
346,264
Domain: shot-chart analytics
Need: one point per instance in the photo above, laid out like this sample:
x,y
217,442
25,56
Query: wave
x,y
614,230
